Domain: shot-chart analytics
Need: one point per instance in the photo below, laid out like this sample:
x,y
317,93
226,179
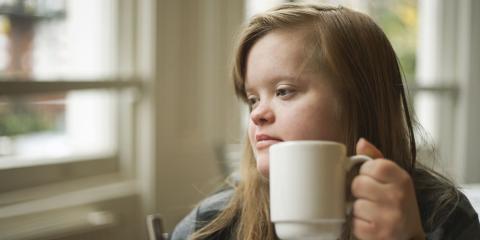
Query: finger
x,y
365,210
383,170
366,187
363,229
364,147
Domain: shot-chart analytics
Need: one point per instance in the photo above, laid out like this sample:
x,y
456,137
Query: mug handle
x,y
353,161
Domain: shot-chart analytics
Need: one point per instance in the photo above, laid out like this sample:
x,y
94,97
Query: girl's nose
x,y
262,114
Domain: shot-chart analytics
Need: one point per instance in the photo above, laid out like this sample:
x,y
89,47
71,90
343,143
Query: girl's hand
x,y
386,206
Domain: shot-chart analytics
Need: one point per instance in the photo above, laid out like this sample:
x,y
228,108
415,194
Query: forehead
x,y
278,54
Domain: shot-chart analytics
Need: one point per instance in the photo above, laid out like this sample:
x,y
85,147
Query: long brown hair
x,y
365,73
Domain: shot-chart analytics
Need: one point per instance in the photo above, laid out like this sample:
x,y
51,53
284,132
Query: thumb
x,y
364,147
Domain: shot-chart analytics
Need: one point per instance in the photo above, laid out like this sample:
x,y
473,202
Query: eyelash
x,y
280,92
252,100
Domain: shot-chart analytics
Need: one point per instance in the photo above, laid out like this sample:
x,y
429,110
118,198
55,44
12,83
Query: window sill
x,y
58,210
80,191
14,179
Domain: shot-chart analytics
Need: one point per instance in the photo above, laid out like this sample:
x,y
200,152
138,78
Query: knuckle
x,y
354,187
358,184
358,229
359,181
357,204
363,230
355,183
382,168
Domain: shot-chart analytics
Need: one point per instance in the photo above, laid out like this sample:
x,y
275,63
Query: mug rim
x,y
307,142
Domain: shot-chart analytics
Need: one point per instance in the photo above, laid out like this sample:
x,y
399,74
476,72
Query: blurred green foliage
x,y
399,21
18,118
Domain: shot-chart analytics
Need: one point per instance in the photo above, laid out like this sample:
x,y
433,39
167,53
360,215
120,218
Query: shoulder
x,y
445,211
461,223
217,201
205,211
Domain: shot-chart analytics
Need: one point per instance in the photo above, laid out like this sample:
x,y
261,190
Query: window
x,y
62,94
69,97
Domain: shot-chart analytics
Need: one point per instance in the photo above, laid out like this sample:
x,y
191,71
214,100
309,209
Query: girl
x,y
326,73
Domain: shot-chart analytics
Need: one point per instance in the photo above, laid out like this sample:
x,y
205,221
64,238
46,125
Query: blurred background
x,y
115,109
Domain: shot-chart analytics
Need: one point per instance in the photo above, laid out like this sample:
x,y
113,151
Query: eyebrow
x,y
275,80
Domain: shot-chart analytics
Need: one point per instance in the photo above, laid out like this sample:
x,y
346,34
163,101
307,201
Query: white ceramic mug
x,y
307,188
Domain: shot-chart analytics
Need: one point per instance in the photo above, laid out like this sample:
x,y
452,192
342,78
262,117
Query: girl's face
x,y
289,99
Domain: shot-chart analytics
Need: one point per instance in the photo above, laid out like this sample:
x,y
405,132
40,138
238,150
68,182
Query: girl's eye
x,y
252,100
282,92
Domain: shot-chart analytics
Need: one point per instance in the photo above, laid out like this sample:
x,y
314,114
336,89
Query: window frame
x,y
59,208
42,180
450,74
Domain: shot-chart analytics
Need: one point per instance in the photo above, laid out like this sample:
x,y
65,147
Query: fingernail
x,y
365,147
363,143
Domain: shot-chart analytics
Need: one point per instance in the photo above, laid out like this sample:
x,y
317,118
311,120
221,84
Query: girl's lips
x,y
266,143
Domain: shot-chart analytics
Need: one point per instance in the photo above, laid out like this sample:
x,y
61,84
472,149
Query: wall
x,y
194,103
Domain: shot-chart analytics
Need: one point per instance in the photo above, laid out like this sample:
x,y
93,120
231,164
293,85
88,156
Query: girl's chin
x,y
264,172
263,166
